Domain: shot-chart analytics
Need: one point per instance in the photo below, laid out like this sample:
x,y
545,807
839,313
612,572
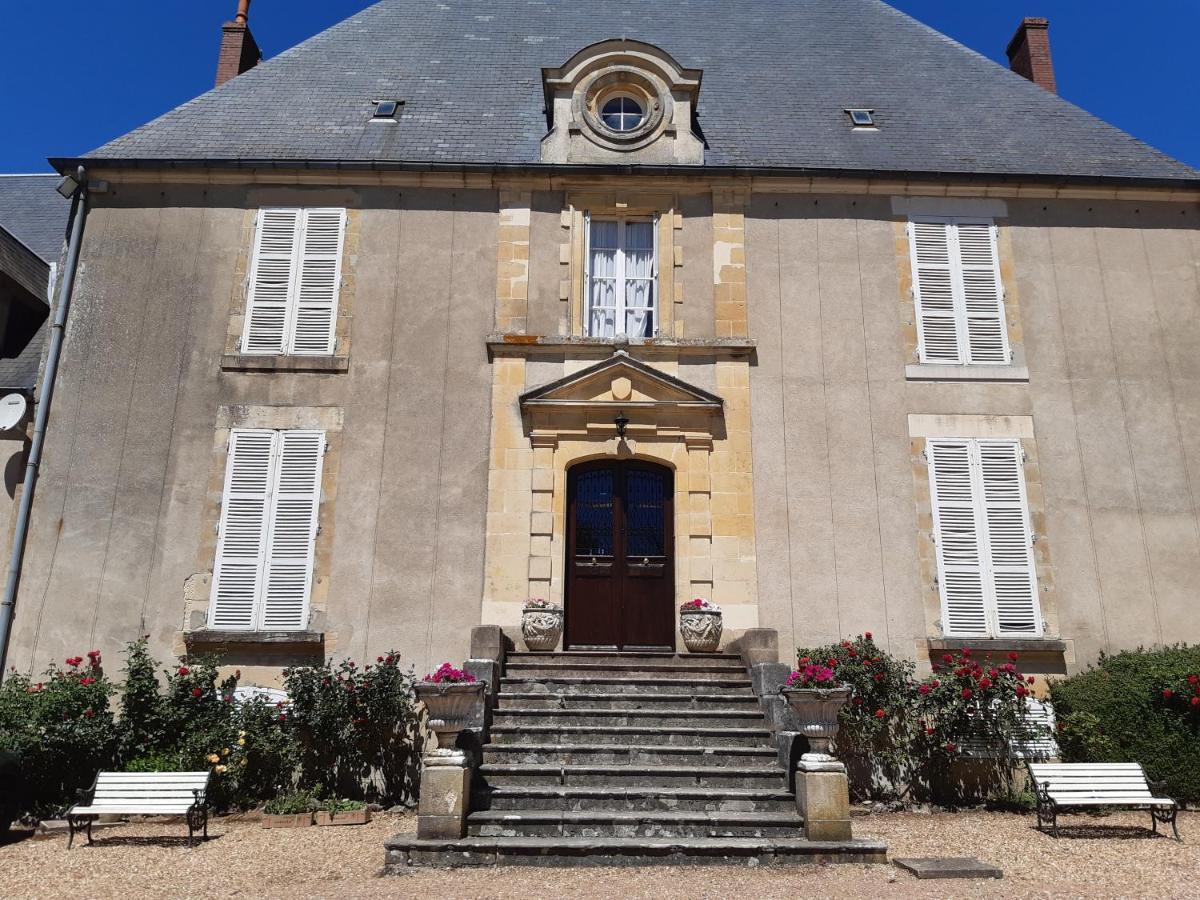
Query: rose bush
x,y
901,736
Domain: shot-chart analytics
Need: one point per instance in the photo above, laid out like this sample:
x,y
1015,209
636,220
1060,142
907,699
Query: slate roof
x,y
777,76
34,214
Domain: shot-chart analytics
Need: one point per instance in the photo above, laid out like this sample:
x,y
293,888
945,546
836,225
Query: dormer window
x,y
622,113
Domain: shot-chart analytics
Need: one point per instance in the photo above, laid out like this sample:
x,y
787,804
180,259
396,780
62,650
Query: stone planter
x,y
287,820
344,817
816,711
701,630
541,628
451,707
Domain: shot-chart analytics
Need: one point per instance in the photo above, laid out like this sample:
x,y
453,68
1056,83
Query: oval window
x,y
622,114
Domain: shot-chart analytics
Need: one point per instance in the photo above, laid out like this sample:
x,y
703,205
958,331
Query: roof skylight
x,y
385,110
862,118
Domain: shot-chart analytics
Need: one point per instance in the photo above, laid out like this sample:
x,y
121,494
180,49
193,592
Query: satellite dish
x,y
12,410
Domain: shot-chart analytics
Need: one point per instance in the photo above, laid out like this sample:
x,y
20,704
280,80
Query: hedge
x,y
1136,706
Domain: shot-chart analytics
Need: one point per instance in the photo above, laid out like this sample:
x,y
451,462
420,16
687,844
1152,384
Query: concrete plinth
x,y
823,797
444,802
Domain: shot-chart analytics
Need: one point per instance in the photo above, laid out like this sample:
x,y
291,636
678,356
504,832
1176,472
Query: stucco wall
x,y
1109,304
121,505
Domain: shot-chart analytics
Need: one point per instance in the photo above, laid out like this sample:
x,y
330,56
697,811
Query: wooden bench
x,y
142,794
1062,786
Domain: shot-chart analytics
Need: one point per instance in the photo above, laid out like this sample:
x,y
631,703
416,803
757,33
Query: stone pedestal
x,y
445,798
823,797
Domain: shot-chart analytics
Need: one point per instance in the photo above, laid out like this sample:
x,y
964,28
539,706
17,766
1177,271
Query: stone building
x,y
805,309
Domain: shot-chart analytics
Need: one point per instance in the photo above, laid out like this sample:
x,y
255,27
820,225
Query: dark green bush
x,y
1136,706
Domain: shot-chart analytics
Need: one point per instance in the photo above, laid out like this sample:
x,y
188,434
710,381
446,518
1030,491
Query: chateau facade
x,y
809,311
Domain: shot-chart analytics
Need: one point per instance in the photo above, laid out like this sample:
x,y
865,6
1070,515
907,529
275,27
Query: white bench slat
x,y
129,811
143,793
1114,801
153,777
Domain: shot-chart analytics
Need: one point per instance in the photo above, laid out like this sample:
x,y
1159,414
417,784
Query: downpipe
x,y
79,211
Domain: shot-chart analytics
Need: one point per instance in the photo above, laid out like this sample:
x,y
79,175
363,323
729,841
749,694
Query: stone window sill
x,y
502,342
213,637
1001,374
999,645
239,362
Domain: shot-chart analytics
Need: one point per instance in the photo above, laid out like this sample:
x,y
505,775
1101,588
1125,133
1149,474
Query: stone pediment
x,y
620,380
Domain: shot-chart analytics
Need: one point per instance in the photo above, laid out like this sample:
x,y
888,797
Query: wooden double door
x,y
620,590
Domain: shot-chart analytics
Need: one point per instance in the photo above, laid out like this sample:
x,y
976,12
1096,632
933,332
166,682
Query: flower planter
x,y
287,820
816,711
541,627
701,629
451,707
344,817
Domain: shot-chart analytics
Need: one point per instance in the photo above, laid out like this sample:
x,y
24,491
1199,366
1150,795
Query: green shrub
x,y
1136,706
293,803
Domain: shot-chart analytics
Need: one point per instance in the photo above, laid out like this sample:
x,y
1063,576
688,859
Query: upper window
x,y
622,278
295,276
622,113
263,572
984,542
959,296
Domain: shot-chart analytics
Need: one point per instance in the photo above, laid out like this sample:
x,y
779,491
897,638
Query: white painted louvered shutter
x,y
245,511
982,293
958,291
318,282
293,530
1009,539
957,537
931,251
272,273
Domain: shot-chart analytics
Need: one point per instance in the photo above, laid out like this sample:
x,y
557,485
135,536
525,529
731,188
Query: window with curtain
x,y
622,294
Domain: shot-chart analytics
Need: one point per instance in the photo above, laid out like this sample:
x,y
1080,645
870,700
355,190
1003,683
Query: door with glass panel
x,y
622,294
620,573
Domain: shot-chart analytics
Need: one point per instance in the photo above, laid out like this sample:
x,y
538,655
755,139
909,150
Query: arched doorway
x,y
620,590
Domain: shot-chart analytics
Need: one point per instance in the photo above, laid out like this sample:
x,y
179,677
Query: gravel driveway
x,y
245,860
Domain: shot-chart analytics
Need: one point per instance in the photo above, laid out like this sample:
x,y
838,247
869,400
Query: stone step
x,y
632,754
662,683
665,718
631,799
404,851
690,736
631,658
548,668
760,776
573,700
611,823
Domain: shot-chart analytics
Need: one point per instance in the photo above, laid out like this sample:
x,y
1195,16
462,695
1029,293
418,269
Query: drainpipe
x,y
79,210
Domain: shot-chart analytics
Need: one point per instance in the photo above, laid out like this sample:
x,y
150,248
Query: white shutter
x,y
933,287
272,272
1009,539
293,530
318,282
983,300
957,537
245,509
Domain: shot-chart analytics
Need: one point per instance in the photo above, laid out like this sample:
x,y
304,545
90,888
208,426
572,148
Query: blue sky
x,y
81,72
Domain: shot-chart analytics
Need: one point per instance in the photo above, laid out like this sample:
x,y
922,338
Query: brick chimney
x,y
239,50
1029,53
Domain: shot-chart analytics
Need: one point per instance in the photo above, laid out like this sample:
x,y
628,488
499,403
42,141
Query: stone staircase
x,y
629,759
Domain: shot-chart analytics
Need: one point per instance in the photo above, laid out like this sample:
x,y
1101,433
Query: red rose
x,y
985,683
879,714
1030,680
90,713
879,676
804,660
1012,654
923,689
852,652
1022,690
951,746
184,671
866,662
379,659
858,701
1168,693
282,717
867,635
87,679
965,652
929,732
196,692
831,662
966,693
1196,701
992,672
228,698
1194,679
947,658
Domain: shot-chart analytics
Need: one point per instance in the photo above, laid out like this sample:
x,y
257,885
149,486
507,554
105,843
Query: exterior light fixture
x,y
622,422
